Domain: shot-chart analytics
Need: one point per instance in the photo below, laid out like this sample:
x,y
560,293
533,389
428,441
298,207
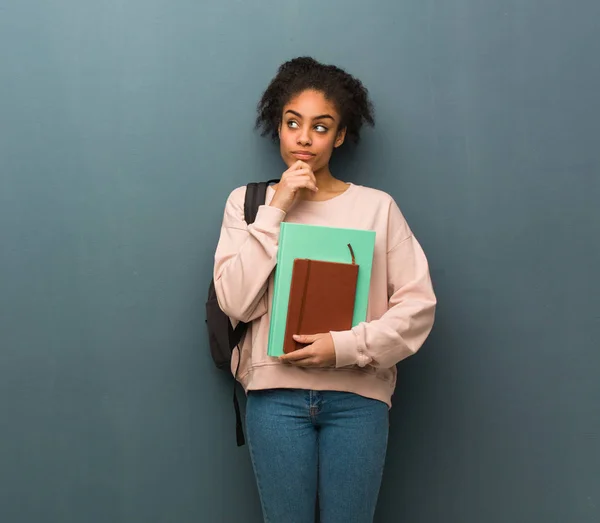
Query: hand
x,y
320,352
299,176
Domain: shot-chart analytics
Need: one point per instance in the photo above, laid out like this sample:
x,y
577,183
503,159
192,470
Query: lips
x,y
303,155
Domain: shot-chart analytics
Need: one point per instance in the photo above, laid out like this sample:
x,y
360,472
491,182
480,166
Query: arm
x,y
402,330
247,254
244,259
399,332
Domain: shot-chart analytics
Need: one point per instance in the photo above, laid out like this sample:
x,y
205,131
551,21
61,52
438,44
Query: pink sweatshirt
x,y
401,299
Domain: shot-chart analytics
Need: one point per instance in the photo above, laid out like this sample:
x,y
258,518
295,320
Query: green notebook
x,y
323,244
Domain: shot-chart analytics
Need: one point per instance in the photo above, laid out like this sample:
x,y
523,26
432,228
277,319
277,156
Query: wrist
x,y
278,205
268,217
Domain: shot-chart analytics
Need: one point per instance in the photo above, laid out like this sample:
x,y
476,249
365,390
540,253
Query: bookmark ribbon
x,y
352,254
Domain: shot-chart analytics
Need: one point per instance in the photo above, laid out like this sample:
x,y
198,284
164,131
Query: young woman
x,y
317,418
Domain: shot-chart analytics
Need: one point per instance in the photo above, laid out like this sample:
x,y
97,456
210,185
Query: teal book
x,y
328,244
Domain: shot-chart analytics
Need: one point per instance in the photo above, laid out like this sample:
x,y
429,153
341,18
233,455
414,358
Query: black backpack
x,y
222,337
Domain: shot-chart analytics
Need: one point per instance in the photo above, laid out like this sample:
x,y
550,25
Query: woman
x,y
317,418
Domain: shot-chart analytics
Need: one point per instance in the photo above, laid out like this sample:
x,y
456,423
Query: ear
x,y
340,137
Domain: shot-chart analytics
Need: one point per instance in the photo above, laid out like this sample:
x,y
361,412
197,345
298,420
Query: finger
x,y
301,165
304,169
304,177
294,185
308,174
297,165
306,184
297,355
303,173
306,338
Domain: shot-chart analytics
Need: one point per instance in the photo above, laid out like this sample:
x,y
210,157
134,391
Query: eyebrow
x,y
320,117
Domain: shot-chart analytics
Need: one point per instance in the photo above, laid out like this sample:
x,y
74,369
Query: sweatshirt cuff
x,y
269,217
346,348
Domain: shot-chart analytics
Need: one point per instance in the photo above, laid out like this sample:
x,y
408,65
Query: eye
x,y
320,128
292,124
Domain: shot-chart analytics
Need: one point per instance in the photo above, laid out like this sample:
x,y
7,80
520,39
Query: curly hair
x,y
346,92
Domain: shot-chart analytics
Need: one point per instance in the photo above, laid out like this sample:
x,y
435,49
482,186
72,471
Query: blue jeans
x,y
301,441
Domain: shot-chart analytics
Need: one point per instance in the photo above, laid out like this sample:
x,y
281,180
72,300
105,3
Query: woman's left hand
x,y
320,352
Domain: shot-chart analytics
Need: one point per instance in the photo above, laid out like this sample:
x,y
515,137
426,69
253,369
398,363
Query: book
x,y
324,244
322,296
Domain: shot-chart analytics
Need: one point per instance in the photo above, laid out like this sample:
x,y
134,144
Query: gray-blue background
x,y
123,127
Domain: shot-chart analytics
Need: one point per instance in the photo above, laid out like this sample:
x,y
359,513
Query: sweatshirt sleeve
x,y
404,327
245,258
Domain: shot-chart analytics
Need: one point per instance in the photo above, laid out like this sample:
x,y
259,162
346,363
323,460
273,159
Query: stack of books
x,y
322,282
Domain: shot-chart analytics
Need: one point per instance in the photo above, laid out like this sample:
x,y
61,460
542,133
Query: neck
x,y
324,178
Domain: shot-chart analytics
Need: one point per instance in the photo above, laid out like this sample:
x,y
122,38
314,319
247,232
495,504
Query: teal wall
x,y
124,125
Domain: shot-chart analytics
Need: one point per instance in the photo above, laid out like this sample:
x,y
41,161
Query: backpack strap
x,y
239,429
252,200
255,197
235,335
256,193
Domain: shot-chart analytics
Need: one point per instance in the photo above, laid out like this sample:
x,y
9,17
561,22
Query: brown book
x,y
322,296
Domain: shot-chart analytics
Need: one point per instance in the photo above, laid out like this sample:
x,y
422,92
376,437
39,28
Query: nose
x,y
304,137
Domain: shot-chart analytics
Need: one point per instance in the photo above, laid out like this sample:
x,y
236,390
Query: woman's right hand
x,y
298,177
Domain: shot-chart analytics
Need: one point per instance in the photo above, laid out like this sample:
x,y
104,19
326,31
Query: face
x,y
309,130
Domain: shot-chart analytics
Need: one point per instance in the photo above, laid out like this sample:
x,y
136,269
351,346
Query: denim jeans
x,y
302,440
